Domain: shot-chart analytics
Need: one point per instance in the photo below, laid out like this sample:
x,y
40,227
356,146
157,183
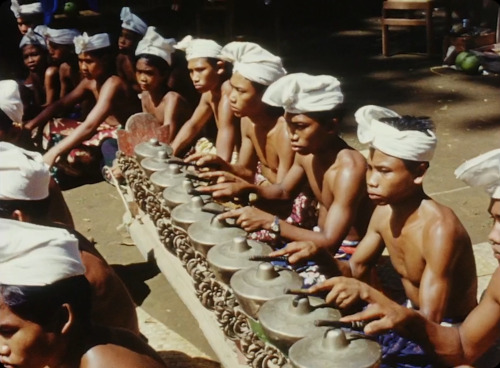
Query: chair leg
x,y
385,40
429,31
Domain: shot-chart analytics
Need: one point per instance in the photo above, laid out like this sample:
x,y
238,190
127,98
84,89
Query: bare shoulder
x,y
51,71
349,165
172,96
226,88
437,214
120,348
350,158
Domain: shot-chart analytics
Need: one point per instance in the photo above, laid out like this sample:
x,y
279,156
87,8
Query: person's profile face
x,y
23,344
127,41
32,57
306,134
148,77
388,179
23,25
244,99
494,235
91,67
58,53
203,75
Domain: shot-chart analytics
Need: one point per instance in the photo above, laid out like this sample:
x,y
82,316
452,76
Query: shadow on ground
x,y
134,276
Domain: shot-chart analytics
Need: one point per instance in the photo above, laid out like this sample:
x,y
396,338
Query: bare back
x,y
432,253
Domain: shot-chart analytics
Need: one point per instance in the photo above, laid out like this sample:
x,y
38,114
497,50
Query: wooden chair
x,y
396,13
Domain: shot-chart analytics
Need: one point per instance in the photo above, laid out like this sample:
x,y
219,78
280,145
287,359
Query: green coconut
x,y
460,58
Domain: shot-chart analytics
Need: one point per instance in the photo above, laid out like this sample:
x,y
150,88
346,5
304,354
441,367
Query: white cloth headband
x,y
482,171
34,255
154,44
18,10
23,174
199,48
410,145
10,100
132,22
85,43
32,38
302,93
61,36
253,62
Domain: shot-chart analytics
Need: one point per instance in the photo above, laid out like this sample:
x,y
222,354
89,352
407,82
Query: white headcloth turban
x,y
10,100
199,48
301,93
61,36
410,145
482,171
154,44
32,38
253,62
23,174
34,255
132,22
18,10
85,43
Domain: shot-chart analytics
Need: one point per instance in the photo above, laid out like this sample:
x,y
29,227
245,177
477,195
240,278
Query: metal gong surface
x,y
288,318
205,234
150,148
255,285
228,257
158,162
188,213
335,349
172,175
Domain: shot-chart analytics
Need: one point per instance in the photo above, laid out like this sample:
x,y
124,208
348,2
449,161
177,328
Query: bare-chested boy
x,y
133,29
27,15
428,246
453,346
209,75
24,196
45,306
335,171
115,102
64,61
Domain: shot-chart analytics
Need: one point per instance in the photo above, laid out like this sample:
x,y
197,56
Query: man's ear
x,y
65,318
420,171
18,215
221,67
333,126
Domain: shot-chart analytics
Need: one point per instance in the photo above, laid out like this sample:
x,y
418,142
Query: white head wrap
x,y
132,22
85,43
32,38
253,62
18,10
10,100
482,171
61,36
23,174
410,145
154,44
199,48
34,255
301,93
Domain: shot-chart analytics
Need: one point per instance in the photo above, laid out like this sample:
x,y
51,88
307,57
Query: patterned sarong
x,y
86,157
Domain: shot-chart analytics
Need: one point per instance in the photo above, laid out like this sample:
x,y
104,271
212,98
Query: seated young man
x,y
209,74
335,171
24,196
27,15
133,30
473,341
35,57
46,312
11,117
428,246
77,144
64,61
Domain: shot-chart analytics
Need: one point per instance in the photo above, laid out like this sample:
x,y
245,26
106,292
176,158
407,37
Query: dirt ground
x,y
464,108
